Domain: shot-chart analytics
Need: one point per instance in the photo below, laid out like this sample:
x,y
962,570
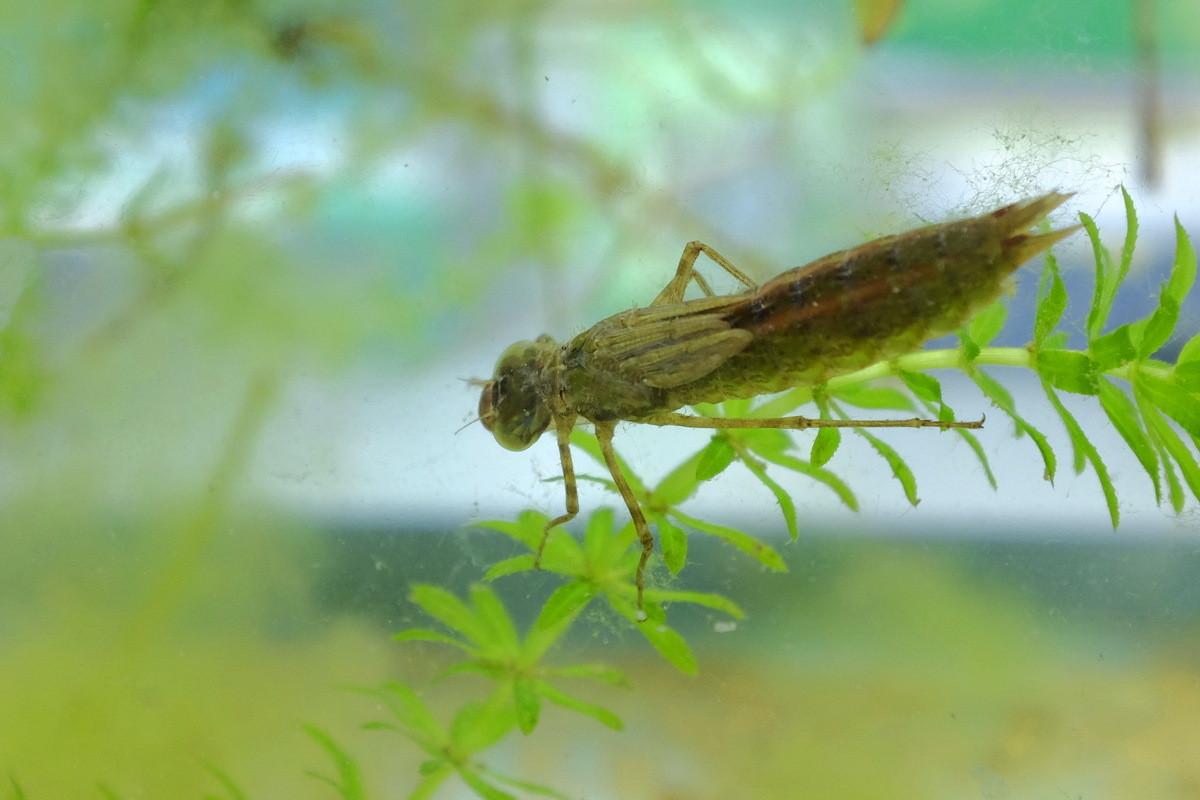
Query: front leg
x,y
604,433
562,430
686,272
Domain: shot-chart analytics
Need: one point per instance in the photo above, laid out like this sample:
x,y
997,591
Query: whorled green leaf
x,y
410,711
1087,450
1172,446
763,552
1068,370
1113,348
714,458
527,529
674,544
967,346
481,787
232,790
669,644
1190,351
1187,376
829,479
478,726
1131,234
1051,302
492,613
602,673
525,786
986,325
431,782
1106,275
824,445
680,483
509,566
1124,418
451,612
1162,322
900,469
1003,400
716,602
526,703
436,637
786,506
557,614
1175,402
349,782
596,712
873,397
928,390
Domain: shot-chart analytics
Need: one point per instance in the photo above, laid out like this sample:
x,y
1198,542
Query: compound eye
x,y
489,402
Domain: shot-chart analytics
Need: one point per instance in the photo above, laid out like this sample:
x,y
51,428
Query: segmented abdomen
x,y
855,307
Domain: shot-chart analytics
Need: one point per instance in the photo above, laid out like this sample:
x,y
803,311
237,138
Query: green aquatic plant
x,y
1153,404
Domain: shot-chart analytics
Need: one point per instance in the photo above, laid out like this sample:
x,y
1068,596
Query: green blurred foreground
x,y
913,668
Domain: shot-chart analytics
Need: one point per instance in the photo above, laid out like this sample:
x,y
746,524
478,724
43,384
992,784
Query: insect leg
x,y
563,432
686,271
604,433
804,423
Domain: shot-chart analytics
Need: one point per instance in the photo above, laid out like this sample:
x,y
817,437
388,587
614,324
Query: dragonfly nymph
x,y
835,315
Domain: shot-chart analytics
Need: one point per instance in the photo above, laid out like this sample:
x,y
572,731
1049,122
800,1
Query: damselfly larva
x,y
838,314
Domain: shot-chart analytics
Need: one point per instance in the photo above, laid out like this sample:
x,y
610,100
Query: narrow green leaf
x,y
680,483
526,703
1131,233
873,397
1183,272
481,787
18,791
1084,446
349,781
824,445
1173,400
669,644
928,390
714,458
1187,376
451,612
437,637
525,786
707,599
1003,400
409,710
970,350
598,535
1052,301
926,387
431,783
1159,327
1175,447
492,613
674,544
900,469
595,672
1068,370
527,529
596,712
1190,351
559,610
231,788
765,441
478,726
824,476
765,554
509,566
987,324
1124,417
1113,348
786,506
1105,276
1174,292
